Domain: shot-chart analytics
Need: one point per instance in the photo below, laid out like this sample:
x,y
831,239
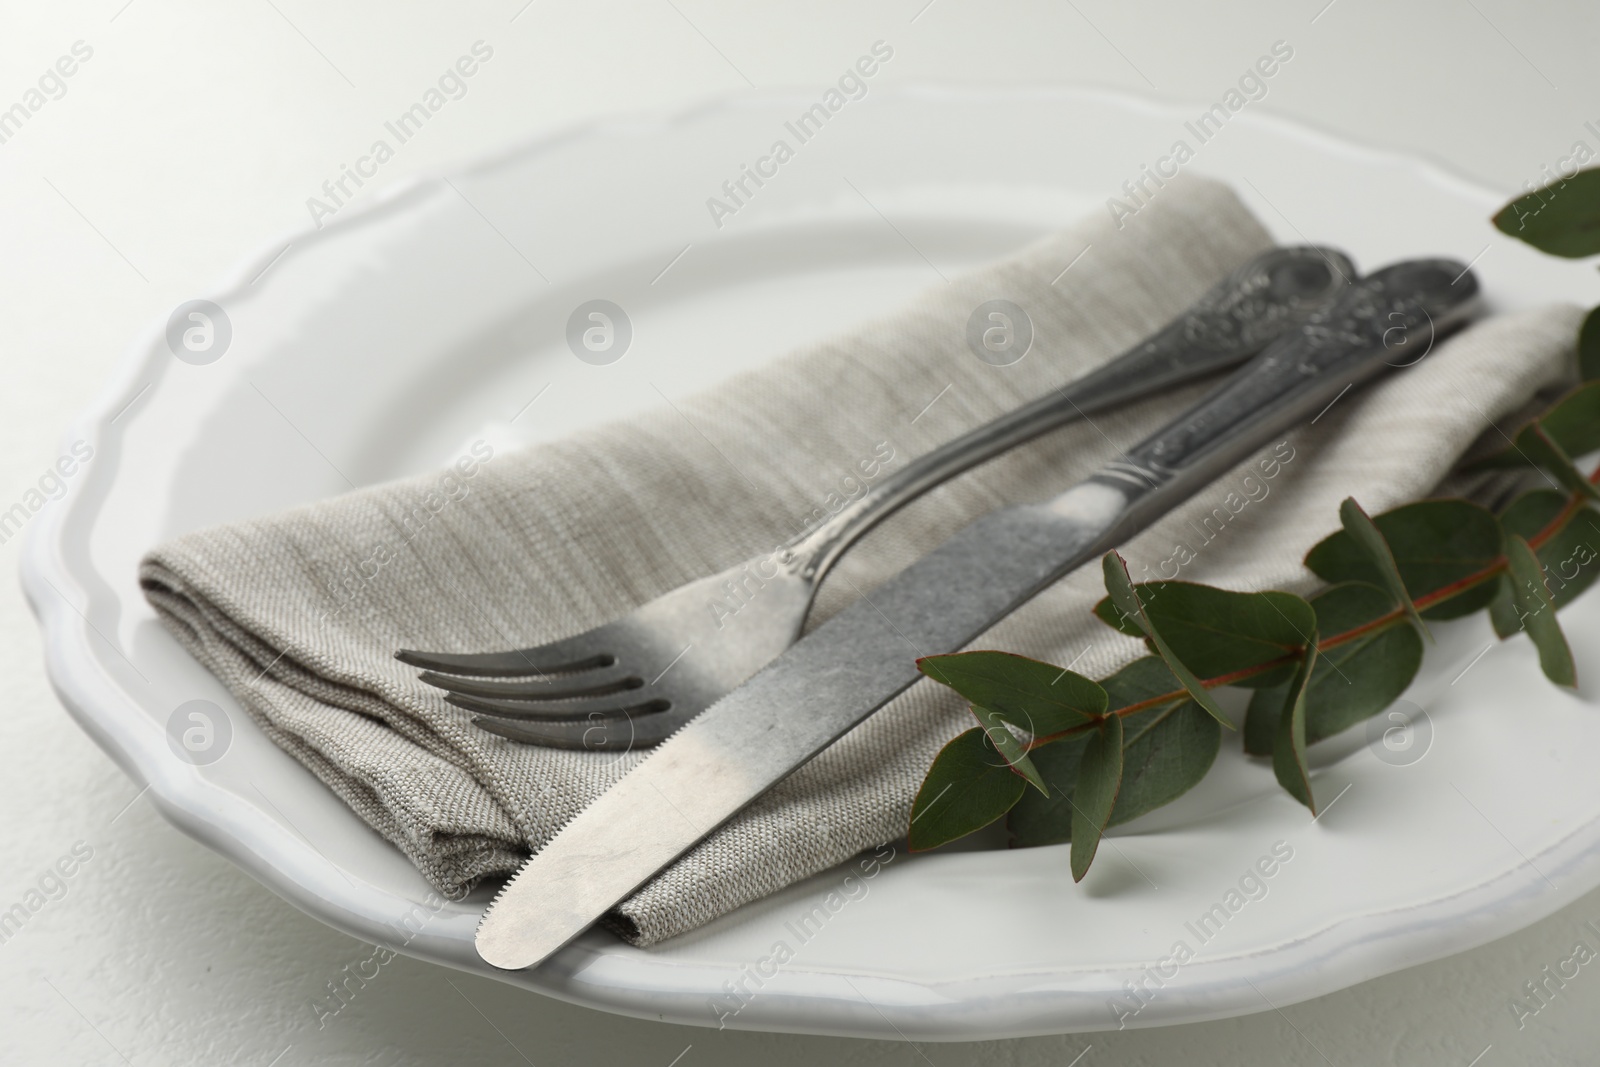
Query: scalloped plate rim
x,y
928,1010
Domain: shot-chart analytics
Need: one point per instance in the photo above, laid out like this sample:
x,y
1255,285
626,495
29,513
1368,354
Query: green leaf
x,y
1530,513
1146,678
1114,618
1537,610
1355,680
1432,542
1573,422
1289,749
1120,586
968,787
1589,348
1261,720
1009,745
1217,631
1535,442
1562,219
1503,610
1351,681
1099,779
1165,753
1047,820
1569,555
1570,428
1166,750
1033,696
1365,533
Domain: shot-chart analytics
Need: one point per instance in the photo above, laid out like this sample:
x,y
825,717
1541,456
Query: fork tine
x,y
608,735
601,682
573,654
611,706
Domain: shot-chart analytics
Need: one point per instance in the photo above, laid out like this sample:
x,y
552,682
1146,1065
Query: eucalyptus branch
x,y
1575,503
1062,756
1045,733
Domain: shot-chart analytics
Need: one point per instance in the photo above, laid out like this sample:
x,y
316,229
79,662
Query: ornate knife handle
x,y
1391,318
1257,303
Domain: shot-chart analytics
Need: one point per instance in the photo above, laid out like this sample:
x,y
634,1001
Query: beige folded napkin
x,y
299,613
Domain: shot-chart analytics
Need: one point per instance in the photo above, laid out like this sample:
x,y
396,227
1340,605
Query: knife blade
x,y
863,657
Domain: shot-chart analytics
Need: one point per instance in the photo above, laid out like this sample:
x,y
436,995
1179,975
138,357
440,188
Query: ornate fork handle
x,y
1238,317
1390,318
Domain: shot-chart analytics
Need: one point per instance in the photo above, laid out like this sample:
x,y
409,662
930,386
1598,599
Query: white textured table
x,y
189,134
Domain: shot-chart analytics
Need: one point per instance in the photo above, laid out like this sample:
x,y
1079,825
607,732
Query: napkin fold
x,y
299,613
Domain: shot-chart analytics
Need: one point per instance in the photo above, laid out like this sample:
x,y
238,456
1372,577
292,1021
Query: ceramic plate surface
x,y
374,347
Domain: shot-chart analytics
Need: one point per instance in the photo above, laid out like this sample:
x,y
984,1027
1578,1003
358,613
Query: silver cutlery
x,y
860,659
631,682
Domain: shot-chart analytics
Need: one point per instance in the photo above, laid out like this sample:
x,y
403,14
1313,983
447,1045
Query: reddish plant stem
x,y
1575,503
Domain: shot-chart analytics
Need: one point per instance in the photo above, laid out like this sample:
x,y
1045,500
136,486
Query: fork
x,y
631,682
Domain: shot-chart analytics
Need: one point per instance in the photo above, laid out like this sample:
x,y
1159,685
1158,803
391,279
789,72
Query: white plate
x,y
395,333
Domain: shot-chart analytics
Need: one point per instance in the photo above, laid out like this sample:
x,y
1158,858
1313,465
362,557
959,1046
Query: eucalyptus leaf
x,y
1562,219
1099,779
1217,632
1536,443
1503,610
1166,750
1570,555
1146,678
1289,748
1261,719
1537,611
1033,696
1589,347
1366,535
1351,681
1573,422
1108,612
1164,757
1009,745
968,787
1531,512
1432,542
1038,819
1120,587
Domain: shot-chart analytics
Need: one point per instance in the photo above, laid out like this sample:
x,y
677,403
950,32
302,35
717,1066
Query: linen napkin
x,y
299,613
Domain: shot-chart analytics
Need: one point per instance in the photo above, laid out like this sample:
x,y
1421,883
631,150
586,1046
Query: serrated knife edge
x,y
863,657
814,693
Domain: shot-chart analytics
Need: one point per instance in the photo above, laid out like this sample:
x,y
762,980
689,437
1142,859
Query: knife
x,y
863,657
